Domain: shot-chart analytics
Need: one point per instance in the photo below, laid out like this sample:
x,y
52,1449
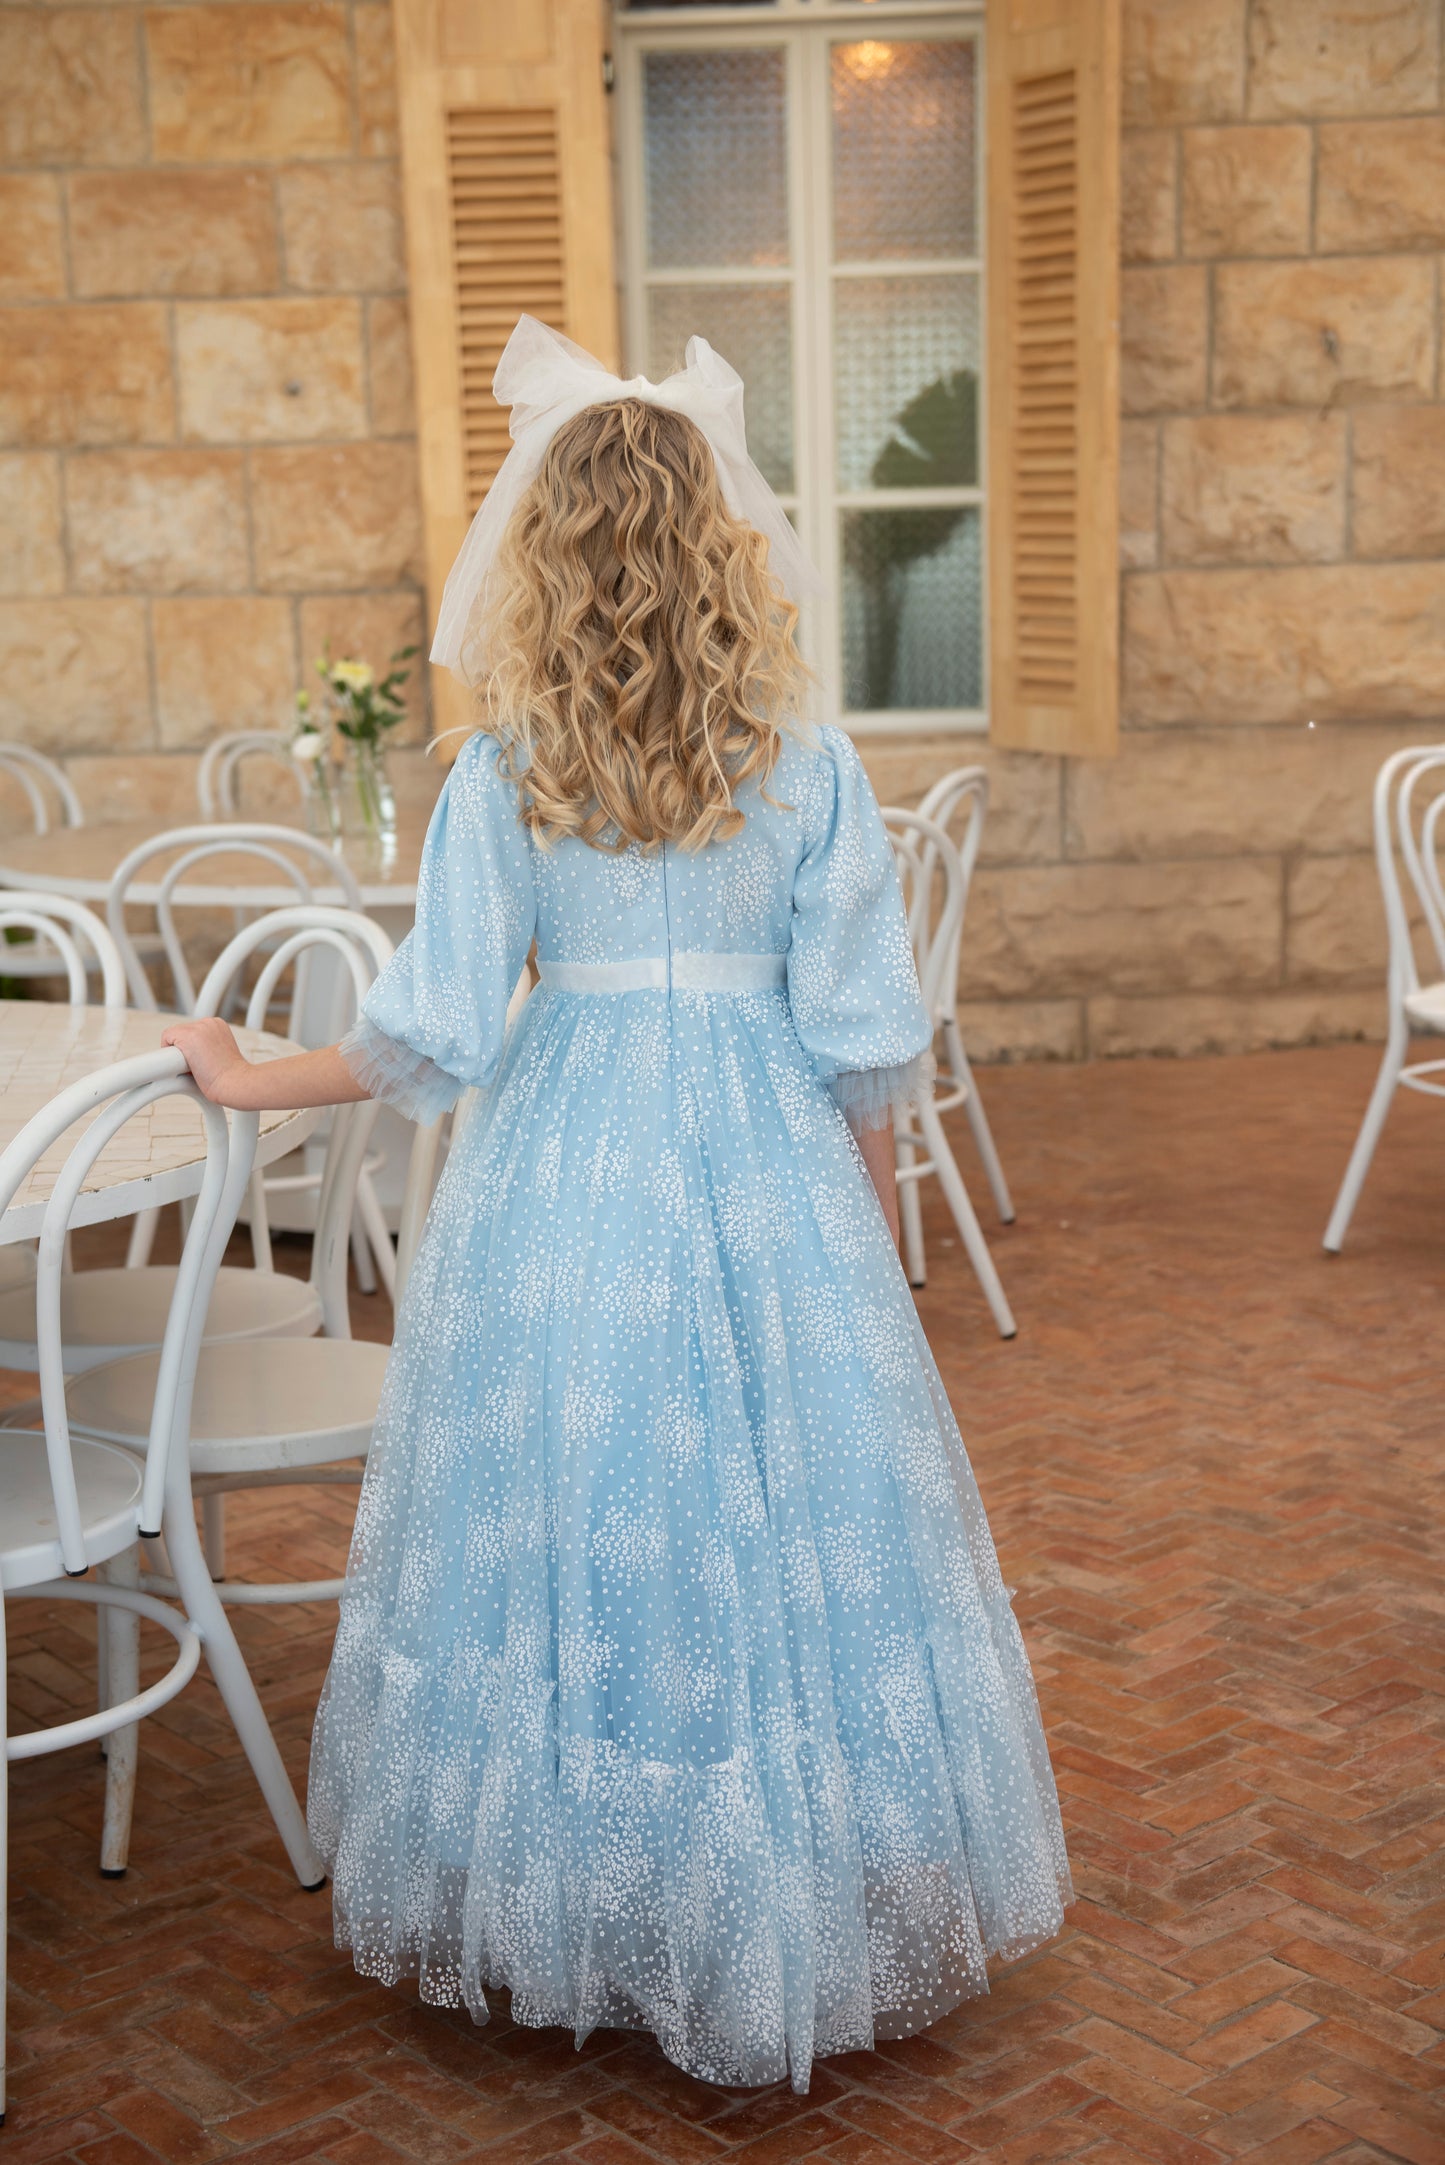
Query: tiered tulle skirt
x,y
676,1687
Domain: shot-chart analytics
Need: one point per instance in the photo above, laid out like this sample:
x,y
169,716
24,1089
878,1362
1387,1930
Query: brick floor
x,y
1212,1464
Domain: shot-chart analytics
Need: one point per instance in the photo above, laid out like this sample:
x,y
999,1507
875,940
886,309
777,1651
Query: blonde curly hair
x,y
641,661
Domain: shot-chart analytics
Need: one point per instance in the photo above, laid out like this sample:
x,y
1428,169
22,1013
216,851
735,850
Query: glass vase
x,y
322,800
369,800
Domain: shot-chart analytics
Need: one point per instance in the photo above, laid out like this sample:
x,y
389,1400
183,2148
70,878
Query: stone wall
x,y
1283,551
207,457
208,470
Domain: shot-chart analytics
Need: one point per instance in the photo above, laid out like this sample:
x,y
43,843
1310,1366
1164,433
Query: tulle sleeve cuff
x,y
869,1097
395,1075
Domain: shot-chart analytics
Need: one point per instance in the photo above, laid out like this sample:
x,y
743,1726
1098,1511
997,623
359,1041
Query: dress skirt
x,y
675,1686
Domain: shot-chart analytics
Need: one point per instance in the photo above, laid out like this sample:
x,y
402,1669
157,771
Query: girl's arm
x,y
876,1144
225,1076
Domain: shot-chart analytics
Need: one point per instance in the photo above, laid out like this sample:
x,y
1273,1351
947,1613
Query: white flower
x,y
310,744
352,676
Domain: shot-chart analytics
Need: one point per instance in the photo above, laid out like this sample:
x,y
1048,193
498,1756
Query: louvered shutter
x,y
1053,381
506,176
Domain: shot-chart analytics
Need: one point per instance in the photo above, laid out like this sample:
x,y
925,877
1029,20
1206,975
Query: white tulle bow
x,y
547,380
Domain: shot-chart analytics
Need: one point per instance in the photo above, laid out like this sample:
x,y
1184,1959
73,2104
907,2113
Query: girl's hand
x,y
214,1058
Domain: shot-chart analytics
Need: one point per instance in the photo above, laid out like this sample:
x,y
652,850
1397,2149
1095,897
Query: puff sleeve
x,y
852,984
434,1021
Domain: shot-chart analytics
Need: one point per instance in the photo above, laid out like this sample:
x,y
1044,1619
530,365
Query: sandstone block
x,y
199,232
1164,344
416,778
234,84
74,675
1062,931
255,371
32,548
1138,494
376,81
95,374
1022,824
1335,923
1246,191
157,522
1398,481
332,516
1253,489
1183,60
222,663
1331,332
1187,1025
32,258
1312,59
146,785
1229,792
393,396
1324,642
342,228
1382,184
73,88
372,627
1149,201
998,1031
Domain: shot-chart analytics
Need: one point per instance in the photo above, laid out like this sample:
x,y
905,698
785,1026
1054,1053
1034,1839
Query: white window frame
x,y
794,26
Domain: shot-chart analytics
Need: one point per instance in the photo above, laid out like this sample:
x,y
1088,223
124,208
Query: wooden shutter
x,y
1053,373
507,183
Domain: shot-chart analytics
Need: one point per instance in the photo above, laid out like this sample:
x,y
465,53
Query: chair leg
x,y
260,1225
910,1215
122,1634
983,1141
142,1239
213,1534
378,1239
361,1260
1386,1084
970,1231
233,1679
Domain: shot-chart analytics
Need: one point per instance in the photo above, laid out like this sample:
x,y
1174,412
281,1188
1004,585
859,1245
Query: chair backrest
x,y
927,861
40,782
959,801
290,854
216,775
115,1095
57,920
289,937
1399,840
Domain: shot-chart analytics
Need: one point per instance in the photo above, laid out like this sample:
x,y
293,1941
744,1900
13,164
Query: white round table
x,y
79,862
157,1157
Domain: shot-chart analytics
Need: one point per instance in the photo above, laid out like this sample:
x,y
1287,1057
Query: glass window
x,y
807,199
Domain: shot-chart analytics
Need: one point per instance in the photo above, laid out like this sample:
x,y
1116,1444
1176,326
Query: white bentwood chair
x,y
222,759
49,799
925,854
71,1504
270,1411
293,859
81,947
1408,836
964,793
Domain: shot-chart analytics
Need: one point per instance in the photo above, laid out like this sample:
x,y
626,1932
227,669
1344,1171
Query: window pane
x,y
903,150
750,326
715,148
912,605
906,360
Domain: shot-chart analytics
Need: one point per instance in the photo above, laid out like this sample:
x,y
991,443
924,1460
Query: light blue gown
x,y
675,1686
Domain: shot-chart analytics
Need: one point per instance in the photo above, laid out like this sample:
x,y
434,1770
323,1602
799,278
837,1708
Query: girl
x,y
675,1686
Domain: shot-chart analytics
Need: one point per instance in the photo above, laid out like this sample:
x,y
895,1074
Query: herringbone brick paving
x,y
1212,1465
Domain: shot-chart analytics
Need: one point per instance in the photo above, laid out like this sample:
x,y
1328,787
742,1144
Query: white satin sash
x,y
690,973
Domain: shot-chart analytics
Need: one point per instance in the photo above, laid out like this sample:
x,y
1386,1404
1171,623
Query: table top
x,y
158,1156
79,862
